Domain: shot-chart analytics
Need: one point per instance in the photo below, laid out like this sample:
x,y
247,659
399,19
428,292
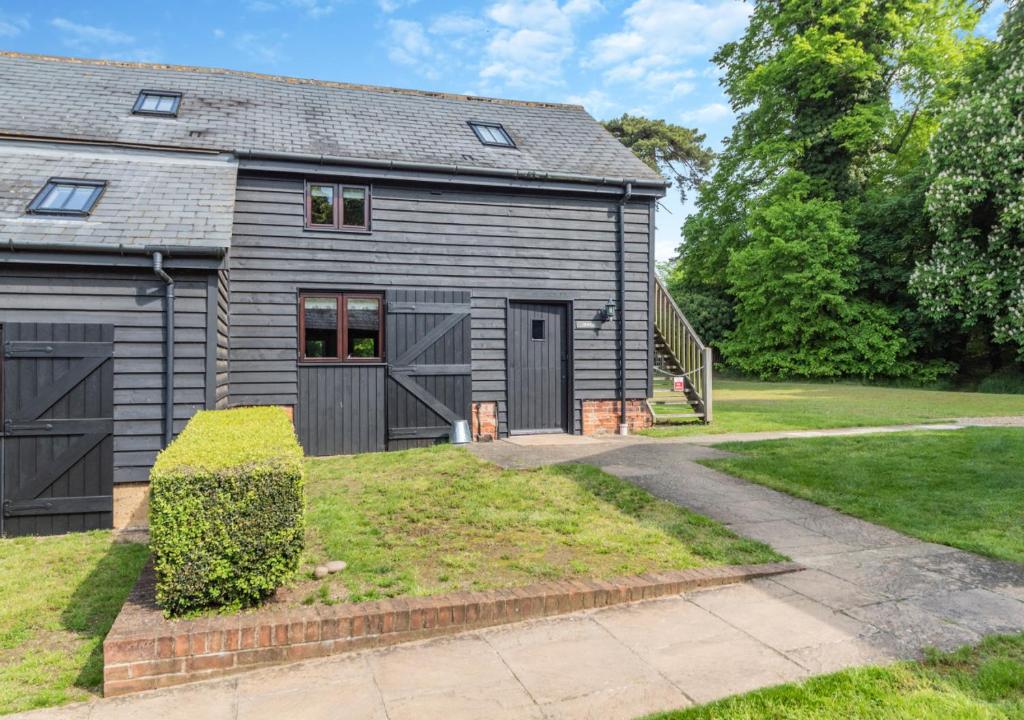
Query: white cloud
x,y
531,41
218,33
260,6
12,26
78,35
260,47
315,8
456,24
710,113
661,36
596,102
390,6
408,44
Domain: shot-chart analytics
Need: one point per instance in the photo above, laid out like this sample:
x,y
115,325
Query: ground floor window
x,y
344,327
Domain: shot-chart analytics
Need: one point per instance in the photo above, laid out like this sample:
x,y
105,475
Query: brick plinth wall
x,y
484,423
145,651
601,417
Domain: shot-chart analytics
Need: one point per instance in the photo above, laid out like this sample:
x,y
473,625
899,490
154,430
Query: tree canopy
x,y
676,151
974,274
836,103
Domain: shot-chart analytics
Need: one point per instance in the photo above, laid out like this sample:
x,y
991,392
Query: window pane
x,y
79,199
57,197
321,204
363,327
537,330
320,320
165,104
492,134
150,102
353,203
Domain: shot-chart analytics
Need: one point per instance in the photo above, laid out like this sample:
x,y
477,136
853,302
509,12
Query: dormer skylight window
x,y
492,134
157,102
67,197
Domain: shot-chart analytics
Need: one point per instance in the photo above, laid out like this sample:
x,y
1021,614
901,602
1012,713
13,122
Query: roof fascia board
x,y
443,176
105,260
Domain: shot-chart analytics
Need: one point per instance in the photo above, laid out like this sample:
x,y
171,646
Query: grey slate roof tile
x,y
235,111
151,198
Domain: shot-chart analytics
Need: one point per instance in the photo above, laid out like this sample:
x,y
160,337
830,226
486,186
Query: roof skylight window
x,y
492,134
67,197
157,102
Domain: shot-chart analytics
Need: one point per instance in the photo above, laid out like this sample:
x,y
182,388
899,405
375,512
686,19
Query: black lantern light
x,y
608,313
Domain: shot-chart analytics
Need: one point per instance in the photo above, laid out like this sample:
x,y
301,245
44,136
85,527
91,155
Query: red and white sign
x,y
677,384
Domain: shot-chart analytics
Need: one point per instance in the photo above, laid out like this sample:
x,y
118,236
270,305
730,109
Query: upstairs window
x,y
157,102
492,134
332,206
67,197
340,327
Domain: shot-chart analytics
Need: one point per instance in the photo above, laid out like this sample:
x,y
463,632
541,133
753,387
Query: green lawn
x,y
986,681
58,598
963,488
440,520
749,406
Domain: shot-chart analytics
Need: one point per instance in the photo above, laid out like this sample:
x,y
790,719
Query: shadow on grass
x,y
95,603
706,538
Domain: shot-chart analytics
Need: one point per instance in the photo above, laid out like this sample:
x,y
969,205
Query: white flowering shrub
x,y
975,272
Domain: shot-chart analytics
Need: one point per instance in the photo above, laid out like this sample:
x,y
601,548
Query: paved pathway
x,y
871,595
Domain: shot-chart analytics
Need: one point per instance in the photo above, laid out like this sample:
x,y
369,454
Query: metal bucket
x,y
460,433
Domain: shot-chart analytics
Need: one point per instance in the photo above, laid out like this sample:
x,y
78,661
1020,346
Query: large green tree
x,y
677,152
838,98
975,272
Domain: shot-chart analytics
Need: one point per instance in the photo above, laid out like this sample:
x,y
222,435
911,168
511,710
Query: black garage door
x,y
56,445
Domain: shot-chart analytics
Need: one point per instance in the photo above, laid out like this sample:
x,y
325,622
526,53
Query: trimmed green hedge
x,y
226,510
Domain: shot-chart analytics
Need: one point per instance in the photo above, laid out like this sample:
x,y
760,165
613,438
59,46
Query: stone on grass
x,y
336,566
320,572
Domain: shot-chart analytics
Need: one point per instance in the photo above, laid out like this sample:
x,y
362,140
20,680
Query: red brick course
x,y
484,421
145,651
601,417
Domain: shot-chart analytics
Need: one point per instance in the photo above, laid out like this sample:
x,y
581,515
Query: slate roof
x,y
152,198
236,111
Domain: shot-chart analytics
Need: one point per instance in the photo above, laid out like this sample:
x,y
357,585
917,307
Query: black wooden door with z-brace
x,y
57,432
429,350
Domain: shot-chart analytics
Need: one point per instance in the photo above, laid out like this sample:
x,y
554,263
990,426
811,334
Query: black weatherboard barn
x,y
382,262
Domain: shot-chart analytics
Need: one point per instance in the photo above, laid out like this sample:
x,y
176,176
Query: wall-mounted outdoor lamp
x,y
608,312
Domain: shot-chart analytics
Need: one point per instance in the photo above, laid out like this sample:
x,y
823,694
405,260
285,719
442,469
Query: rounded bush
x,y
226,510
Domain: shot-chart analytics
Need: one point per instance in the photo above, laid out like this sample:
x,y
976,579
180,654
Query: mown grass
x,y
438,520
750,406
963,488
58,598
985,681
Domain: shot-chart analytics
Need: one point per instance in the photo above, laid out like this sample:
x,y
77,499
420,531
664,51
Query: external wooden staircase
x,y
678,352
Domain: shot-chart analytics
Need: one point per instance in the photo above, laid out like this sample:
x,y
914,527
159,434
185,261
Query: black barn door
x,y
429,350
57,442
538,355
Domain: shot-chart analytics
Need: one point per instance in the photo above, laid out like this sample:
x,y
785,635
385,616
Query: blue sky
x,y
650,57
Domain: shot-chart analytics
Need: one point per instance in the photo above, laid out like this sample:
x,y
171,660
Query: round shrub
x,y
226,510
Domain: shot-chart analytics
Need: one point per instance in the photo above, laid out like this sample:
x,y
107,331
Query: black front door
x,y
538,361
56,447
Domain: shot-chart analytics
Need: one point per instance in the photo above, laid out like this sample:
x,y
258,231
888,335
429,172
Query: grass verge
x,y
58,598
750,406
963,488
437,520
984,681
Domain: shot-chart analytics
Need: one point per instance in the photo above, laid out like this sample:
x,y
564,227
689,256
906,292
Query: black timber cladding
x,y
340,409
498,245
57,450
132,301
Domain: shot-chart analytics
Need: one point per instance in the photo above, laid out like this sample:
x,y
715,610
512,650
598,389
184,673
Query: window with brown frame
x,y
334,206
341,327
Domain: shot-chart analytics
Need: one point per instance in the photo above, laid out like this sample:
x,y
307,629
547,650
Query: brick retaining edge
x,y
144,650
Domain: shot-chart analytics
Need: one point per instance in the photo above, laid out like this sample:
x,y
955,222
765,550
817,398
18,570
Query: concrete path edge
x,y
145,651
